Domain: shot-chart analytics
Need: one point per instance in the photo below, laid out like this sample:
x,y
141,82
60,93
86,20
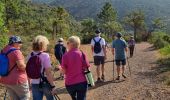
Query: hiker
x,y
41,78
72,67
119,50
16,81
60,50
98,47
131,44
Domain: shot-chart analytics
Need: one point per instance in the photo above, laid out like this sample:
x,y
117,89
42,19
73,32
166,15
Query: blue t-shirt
x,y
119,45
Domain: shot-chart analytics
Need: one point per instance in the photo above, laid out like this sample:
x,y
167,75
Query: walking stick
x,y
113,70
56,97
129,67
5,95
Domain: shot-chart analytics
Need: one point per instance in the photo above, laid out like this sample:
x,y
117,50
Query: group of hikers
x,y
36,74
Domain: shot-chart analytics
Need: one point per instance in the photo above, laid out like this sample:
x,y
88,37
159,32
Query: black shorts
x,y
98,60
120,62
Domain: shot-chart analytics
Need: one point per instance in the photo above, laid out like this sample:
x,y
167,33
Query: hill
x,y
89,8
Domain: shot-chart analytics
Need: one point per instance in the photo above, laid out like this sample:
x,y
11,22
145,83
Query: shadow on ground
x,y
151,48
63,90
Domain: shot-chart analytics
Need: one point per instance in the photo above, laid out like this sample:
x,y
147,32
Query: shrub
x,y
165,51
160,43
3,40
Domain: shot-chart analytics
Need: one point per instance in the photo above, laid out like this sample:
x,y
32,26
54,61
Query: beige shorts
x,y
18,92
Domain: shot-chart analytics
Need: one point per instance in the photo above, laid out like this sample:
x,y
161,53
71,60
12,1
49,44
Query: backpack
x,y
97,46
4,63
34,66
59,51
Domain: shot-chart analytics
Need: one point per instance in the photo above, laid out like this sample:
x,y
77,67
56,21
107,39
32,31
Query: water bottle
x,y
89,78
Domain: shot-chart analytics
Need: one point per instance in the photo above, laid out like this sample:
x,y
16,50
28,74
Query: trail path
x,y
143,85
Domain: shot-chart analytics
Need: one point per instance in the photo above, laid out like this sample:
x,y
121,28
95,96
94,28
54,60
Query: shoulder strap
x,y
32,53
100,39
11,50
12,68
84,60
94,40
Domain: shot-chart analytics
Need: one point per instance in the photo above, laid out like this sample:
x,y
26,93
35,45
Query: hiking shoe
x,y
124,76
118,78
98,80
103,78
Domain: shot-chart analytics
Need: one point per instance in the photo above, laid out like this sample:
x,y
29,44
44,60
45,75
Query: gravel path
x,y
142,85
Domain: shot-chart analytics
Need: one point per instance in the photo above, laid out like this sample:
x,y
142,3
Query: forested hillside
x,y
89,8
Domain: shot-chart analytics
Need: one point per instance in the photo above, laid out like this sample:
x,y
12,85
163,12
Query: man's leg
x,y
98,71
118,69
123,68
102,68
97,64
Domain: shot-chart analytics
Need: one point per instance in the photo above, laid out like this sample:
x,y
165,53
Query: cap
x,y
15,39
131,37
97,31
118,34
60,40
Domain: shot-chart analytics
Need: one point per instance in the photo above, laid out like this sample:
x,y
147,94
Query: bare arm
x,y
92,49
104,50
21,64
126,49
113,51
62,70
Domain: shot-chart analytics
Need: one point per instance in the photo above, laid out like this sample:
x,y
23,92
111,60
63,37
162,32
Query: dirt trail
x,y
143,85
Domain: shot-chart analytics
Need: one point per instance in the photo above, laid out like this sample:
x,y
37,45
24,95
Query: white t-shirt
x,y
102,43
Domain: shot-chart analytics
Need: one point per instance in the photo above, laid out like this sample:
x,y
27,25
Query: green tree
x,y
12,10
135,19
107,13
1,16
60,23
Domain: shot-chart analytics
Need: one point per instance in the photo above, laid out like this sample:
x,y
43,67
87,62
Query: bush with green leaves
x,y
3,40
159,39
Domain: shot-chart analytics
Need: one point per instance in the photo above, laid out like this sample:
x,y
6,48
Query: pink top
x,y
16,76
72,62
46,63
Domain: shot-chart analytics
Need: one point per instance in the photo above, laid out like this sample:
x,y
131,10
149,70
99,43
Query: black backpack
x,y
97,46
59,51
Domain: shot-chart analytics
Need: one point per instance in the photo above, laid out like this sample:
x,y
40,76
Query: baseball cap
x,y
60,40
97,31
118,34
15,39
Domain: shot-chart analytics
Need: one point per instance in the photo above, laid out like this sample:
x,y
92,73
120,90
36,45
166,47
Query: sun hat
x,y
15,39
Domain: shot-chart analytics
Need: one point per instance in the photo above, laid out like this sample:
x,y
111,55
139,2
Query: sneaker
x,y
118,78
103,78
98,80
124,76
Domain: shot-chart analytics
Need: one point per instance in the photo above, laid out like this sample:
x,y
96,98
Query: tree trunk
x,y
54,32
135,33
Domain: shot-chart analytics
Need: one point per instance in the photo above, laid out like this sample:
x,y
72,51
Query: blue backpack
x,y
4,63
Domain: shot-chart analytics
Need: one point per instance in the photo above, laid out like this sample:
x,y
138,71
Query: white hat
x,y
60,40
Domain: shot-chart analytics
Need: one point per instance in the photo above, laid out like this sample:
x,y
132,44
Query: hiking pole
x,y
113,70
56,97
5,95
129,67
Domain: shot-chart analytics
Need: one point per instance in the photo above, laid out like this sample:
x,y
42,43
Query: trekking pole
x,y
113,70
56,97
129,67
5,95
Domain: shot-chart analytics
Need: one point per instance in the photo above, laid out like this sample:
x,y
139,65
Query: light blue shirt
x,y
119,45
